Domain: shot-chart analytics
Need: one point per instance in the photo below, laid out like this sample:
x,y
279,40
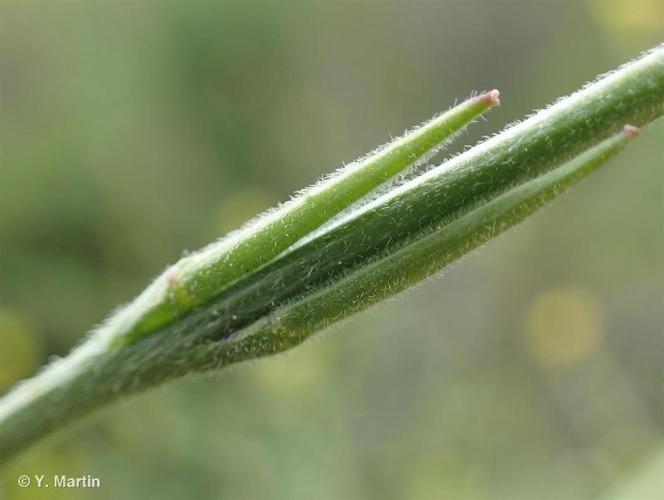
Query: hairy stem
x,y
377,250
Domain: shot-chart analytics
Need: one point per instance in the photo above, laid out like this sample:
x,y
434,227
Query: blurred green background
x,y
131,132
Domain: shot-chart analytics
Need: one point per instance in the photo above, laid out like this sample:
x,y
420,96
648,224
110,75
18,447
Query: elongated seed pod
x,y
535,146
197,278
385,277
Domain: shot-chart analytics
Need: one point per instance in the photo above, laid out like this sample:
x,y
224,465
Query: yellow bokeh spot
x,y
562,326
18,353
242,206
629,16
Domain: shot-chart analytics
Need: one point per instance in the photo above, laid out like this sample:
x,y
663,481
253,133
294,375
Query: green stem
x,y
377,250
97,373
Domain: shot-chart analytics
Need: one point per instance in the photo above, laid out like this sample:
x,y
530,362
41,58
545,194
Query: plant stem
x,y
376,251
97,373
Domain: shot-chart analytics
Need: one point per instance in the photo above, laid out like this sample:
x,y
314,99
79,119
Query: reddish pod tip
x,y
631,131
492,97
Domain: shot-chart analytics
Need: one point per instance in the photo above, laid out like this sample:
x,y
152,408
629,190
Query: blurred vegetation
x,y
532,370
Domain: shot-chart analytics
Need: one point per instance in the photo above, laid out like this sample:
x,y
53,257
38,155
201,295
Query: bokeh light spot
x,y
563,325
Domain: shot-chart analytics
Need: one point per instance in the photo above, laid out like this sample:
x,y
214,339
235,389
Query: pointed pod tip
x,y
631,131
491,98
